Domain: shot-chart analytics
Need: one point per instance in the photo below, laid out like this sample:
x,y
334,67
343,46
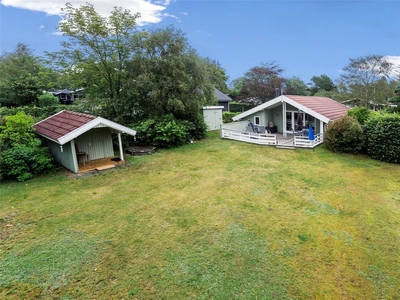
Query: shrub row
x,y
167,132
383,138
376,133
236,107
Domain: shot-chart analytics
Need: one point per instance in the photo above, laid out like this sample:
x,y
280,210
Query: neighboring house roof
x,y
67,125
65,91
355,100
323,108
221,97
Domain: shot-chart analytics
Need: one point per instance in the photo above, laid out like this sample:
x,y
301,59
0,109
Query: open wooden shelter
x,y
75,138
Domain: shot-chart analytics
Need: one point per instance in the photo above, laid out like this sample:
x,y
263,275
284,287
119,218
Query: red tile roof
x,y
62,123
323,105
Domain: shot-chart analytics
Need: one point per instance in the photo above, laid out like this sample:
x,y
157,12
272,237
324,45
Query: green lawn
x,y
216,219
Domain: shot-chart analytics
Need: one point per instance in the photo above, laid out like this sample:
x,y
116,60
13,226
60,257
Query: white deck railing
x,y
234,131
304,142
255,138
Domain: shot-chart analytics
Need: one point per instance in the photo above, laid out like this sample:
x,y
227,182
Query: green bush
x,y
47,99
362,114
344,135
383,138
196,127
168,132
21,152
24,161
227,116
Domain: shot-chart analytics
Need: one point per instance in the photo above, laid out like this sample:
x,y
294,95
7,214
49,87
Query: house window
x,y
257,120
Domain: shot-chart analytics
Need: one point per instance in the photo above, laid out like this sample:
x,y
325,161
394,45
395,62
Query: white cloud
x,y
395,60
150,10
185,13
41,26
170,16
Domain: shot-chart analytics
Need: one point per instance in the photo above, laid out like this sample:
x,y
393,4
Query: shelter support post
x,y
321,129
74,157
284,119
121,151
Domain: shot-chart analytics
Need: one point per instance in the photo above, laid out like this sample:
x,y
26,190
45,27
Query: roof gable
x,y
323,108
67,125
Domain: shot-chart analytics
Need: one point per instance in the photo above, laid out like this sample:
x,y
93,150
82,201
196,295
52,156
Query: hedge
x,y
239,107
383,138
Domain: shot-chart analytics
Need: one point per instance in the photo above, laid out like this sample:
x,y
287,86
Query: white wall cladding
x,y
63,157
97,142
212,117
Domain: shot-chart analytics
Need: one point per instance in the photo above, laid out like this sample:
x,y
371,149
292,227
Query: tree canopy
x,y
98,49
21,79
134,74
169,76
262,81
362,75
322,83
296,86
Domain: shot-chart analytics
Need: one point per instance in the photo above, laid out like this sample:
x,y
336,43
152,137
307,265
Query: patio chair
x,y
81,155
249,129
261,129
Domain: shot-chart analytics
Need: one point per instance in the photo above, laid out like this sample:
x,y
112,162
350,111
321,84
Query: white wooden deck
x,y
291,141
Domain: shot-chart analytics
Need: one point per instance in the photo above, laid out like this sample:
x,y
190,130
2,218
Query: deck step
x,y
285,147
105,167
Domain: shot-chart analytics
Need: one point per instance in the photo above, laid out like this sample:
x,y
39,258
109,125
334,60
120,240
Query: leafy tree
x,y
261,81
170,78
136,75
216,75
296,86
235,87
396,98
20,72
362,75
322,83
97,51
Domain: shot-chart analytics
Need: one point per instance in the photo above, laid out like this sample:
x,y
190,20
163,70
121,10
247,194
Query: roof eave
x,y
257,108
95,122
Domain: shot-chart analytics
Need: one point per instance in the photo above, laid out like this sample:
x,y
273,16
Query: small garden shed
x,y
73,137
213,116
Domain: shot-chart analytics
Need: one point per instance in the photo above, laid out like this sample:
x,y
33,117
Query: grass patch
x,y
215,219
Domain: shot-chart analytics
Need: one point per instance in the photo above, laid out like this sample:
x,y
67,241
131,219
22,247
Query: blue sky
x,y
305,38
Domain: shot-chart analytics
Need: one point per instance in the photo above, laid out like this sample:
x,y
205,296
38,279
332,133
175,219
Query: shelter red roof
x,y
62,124
323,105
